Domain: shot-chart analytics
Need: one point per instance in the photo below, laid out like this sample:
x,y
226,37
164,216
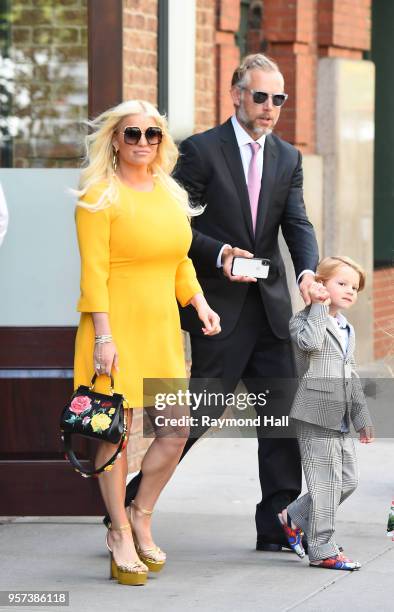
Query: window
x,y
241,35
43,82
176,65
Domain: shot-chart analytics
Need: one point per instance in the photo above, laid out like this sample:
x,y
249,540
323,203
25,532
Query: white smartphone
x,y
256,267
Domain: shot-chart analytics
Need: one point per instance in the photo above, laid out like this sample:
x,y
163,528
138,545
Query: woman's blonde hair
x,y
99,154
328,266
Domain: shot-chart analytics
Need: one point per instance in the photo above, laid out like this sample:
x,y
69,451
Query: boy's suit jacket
x,y
329,387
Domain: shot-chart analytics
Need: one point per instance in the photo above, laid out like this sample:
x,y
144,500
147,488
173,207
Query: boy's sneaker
x,y
293,535
339,562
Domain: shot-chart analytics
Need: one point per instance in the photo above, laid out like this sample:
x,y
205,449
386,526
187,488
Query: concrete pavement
x,y
205,522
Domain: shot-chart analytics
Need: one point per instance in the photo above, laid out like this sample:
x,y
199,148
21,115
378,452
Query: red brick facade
x,y
140,49
298,33
205,102
344,27
227,54
294,33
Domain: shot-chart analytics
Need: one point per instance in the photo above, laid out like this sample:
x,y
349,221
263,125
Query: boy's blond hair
x,y
328,266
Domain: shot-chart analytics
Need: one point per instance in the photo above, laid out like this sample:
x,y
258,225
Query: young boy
x,y
329,396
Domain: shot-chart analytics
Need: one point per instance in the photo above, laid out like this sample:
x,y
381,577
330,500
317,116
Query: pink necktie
x,y
254,182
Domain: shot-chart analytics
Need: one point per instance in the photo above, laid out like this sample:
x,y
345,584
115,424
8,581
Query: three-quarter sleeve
x,y
93,231
186,283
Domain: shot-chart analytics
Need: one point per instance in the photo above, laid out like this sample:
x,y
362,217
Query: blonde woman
x,y
134,236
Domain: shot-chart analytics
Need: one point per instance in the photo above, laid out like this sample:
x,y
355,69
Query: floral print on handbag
x,y
94,415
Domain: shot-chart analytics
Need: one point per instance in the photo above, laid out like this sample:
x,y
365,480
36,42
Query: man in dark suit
x,y
251,183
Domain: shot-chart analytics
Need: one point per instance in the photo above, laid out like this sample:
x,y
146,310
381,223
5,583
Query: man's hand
x,y
367,435
227,260
306,282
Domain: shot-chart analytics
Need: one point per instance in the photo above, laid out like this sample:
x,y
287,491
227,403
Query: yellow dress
x,y
134,266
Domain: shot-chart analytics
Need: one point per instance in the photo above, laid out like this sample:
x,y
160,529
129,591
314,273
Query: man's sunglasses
x,y
132,135
259,97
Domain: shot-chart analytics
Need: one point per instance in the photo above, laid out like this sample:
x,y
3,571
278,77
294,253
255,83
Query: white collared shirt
x,y
343,328
244,140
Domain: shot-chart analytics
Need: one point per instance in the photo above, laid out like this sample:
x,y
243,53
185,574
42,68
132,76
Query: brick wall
x,y
227,54
49,58
205,100
140,49
296,34
344,27
383,295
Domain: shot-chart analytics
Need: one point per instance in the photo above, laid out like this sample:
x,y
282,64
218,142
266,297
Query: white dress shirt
x,y
243,141
343,328
3,215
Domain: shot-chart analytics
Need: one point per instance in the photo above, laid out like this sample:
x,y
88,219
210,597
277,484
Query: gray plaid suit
x,y
329,394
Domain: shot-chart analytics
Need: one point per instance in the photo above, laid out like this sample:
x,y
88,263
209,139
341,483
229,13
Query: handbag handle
x,y
93,381
77,465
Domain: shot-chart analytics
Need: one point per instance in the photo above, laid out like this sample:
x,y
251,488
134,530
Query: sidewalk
x,y
205,522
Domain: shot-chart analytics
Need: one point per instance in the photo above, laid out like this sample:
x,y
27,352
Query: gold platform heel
x,y
153,557
133,574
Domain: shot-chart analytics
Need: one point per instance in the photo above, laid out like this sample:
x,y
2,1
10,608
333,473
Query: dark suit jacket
x,y
210,169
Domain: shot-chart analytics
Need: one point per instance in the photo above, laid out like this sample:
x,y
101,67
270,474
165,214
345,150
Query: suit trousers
x,y
253,354
331,473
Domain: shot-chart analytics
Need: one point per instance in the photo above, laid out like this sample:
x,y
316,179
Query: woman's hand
x,y
105,357
210,319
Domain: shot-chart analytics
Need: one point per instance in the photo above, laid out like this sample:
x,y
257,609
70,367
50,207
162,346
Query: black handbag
x,y
94,415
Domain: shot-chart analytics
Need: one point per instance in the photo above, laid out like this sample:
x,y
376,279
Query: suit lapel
x,y
233,159
267,183
333,329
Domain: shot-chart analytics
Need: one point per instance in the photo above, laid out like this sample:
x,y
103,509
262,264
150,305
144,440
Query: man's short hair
x,y
250,62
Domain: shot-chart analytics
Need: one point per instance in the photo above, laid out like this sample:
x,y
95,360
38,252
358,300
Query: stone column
x,y
345,138
313,197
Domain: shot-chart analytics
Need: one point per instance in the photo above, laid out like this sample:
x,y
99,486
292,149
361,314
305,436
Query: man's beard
x,y
257,130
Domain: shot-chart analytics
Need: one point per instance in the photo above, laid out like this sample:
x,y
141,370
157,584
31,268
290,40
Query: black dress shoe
x,y
268,546
276,546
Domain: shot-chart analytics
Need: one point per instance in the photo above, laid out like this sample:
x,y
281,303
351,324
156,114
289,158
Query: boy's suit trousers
x,y
331,473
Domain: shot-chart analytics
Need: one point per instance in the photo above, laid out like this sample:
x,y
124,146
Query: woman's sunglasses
x,y
132,135
259,97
